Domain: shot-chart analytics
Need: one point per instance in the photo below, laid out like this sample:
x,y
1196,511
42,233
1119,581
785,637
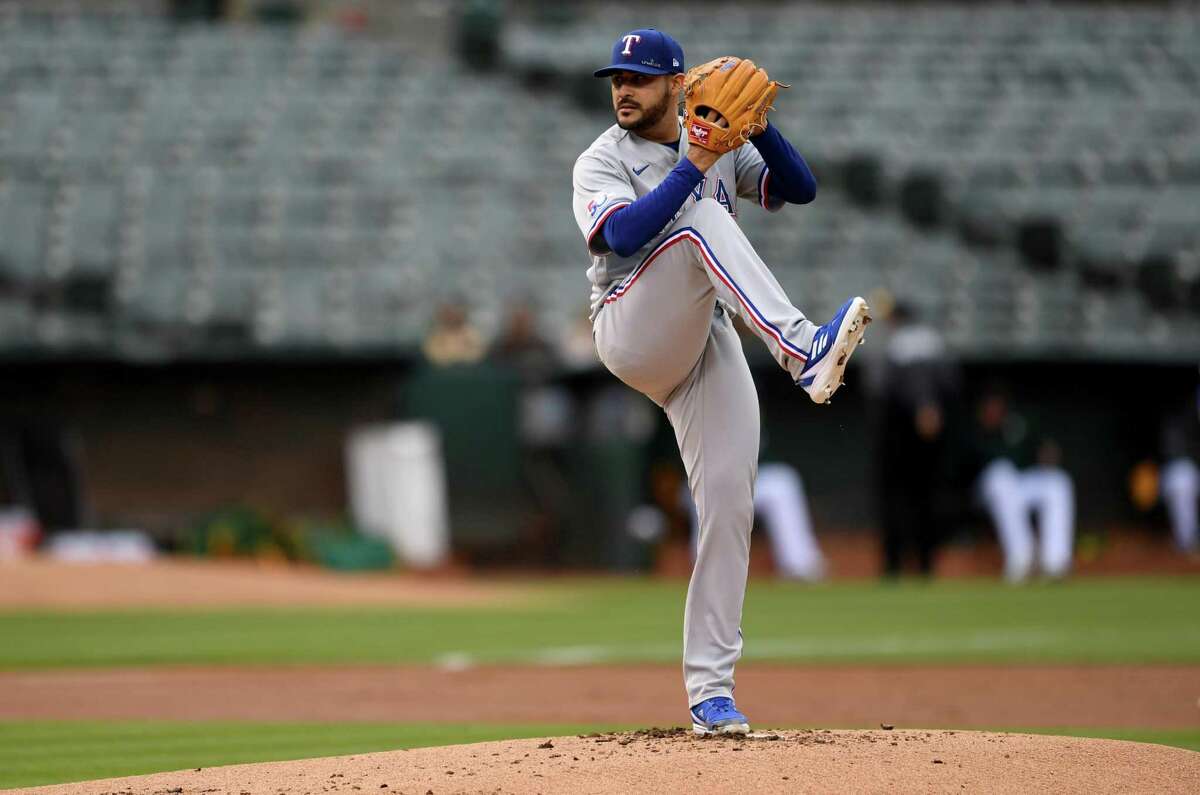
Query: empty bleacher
x,y
175,190
1050,155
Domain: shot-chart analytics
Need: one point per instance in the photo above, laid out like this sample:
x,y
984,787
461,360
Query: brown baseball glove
x,y
726,101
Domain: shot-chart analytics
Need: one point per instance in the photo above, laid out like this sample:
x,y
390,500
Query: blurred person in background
x,y
577,348
522,347
546,422
452,339
781,504
916,386
1180,479
41,473
1021,477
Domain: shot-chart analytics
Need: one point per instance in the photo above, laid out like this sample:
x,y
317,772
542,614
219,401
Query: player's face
x,y
640,101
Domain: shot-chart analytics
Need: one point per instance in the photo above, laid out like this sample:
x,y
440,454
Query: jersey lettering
x,y
722,196
619,168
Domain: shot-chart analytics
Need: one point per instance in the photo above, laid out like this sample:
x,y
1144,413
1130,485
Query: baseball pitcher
x,y
656,197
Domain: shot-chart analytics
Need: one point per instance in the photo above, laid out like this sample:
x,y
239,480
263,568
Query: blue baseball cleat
x,y
831,348
718,715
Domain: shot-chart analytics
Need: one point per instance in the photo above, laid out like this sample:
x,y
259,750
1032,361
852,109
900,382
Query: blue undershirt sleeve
x,y
634,225
790,179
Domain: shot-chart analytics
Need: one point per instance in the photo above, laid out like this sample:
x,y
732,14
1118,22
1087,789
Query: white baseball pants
x,y
662,332
1180,490
1013,497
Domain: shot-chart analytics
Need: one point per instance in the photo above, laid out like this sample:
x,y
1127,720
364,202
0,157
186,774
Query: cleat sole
x,y
847,342
733,728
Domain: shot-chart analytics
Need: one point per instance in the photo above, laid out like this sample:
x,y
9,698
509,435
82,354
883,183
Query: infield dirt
x,y
977,696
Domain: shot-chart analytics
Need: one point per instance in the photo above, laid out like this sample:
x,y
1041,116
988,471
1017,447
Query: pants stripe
x,y
691,235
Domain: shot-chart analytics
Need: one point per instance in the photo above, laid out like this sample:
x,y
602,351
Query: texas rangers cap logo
x,y
645,50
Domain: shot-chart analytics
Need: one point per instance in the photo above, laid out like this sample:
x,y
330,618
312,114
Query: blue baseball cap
x,y
646,50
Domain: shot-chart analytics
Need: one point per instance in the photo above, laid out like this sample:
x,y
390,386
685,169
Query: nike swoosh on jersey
x,y
639,171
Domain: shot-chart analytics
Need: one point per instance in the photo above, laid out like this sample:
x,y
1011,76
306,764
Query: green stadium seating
x,y
303,189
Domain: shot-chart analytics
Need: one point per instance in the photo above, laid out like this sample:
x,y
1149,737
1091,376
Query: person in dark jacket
x,y
916,388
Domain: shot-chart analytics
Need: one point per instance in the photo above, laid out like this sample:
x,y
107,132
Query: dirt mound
x,y
673,760
183,582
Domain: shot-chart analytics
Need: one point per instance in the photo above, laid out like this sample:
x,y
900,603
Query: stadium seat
x,y
238,177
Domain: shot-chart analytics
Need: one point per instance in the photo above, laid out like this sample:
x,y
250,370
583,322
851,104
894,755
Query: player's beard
x,y
650,116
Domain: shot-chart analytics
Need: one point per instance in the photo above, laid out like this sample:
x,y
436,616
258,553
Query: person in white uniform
x,y
1023,486
781,504
669,265
1180,474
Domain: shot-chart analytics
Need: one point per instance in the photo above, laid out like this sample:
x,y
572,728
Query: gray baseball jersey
x,y
620,167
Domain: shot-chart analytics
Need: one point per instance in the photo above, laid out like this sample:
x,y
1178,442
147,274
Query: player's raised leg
x,y
815,356
652,334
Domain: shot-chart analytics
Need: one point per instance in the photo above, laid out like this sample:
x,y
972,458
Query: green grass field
x,y
1129,620
1098,620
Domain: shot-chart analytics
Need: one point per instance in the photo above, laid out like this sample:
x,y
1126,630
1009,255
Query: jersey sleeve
x,y
753,176
601,187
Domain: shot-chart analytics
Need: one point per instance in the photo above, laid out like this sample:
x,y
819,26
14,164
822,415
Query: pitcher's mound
x,y
673,760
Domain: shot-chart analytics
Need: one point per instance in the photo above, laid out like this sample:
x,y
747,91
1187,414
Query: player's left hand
x,y
726,101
